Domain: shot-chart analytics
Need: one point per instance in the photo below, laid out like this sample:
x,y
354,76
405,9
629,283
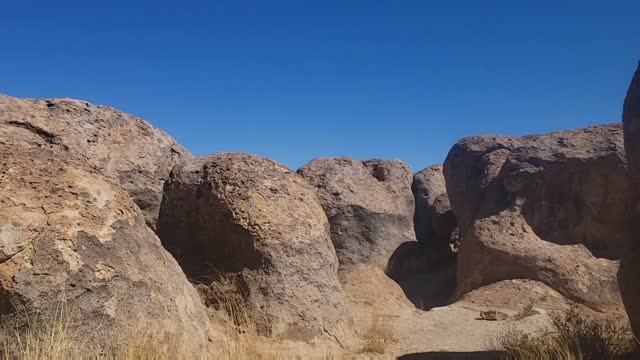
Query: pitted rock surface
x,y
69,235
553,208
122,147
253,219
369,204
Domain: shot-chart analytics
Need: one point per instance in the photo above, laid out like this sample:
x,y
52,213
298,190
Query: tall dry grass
x,y
377,335
54,336
573,336
241,338
44,337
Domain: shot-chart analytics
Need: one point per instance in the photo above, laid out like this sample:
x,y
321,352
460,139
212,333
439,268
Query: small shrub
x,y
378,336
526,312
572,336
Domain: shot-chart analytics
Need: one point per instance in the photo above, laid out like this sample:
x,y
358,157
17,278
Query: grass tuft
x,y
572,336
55,337
378,336
42,338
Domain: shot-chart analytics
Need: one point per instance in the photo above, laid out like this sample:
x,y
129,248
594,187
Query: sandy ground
x,y
454,331
455,328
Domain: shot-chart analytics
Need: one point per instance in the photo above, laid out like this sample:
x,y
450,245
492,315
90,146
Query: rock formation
x,y
253,219
124,148
435,222
552,208
69,236
629,274
369,204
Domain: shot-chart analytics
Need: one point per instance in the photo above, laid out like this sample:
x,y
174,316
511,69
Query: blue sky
x,y
294,80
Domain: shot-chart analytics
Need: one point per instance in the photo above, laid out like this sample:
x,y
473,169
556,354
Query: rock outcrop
x,y
435,222
122,147
629,274
70,236
253,219
369,204
552,208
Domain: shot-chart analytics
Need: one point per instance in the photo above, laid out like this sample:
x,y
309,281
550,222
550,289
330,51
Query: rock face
x,y
435,222
252,218
122,147
369,204
552,208
68,234
629,273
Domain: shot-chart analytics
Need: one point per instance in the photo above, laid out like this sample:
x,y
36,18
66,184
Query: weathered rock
x,y
369,204
629,274
435,222
70,236
122,147
254,219
552,208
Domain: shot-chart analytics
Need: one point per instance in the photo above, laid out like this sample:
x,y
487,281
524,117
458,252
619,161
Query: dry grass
x,y
54,337
242,340
573,337
40,338
144,343
378,335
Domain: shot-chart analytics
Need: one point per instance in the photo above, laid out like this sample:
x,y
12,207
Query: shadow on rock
x,y
426,275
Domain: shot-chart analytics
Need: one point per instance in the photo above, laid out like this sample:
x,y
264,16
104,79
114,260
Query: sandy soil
x,y
455,331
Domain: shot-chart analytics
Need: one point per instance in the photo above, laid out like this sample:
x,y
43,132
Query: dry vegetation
x,y
241,340
573,336
38,341
526,312
378,335
53,337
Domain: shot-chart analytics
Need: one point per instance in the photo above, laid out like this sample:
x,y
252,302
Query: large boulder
x,y
122,147
552,208
629,273
72,240
369,204
259,223
435,222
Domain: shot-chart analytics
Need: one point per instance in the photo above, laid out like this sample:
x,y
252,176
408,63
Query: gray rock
x,y
369,204
435,222
629,273
257,221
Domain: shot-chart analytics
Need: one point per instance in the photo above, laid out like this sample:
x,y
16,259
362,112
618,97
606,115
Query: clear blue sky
x,y
294,80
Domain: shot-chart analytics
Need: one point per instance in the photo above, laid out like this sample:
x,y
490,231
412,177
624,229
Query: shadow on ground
x,y
432,289
476,355
427,276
